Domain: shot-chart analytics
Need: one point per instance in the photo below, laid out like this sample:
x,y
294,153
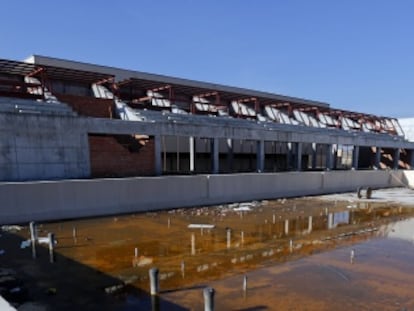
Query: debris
x,y
114,289
201,226
2,251
25,244
142,261
242,209
11,228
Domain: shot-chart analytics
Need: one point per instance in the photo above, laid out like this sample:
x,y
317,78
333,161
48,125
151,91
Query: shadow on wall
x,y
64,285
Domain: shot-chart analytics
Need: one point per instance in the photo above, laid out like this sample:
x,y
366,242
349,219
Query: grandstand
x,y
176,126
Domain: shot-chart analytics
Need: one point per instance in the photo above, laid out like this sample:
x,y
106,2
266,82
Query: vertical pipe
x,y
33,238
310,224
287,227
208,294
51,237
193,251
228,238
154,282
245,283
183,268
192,153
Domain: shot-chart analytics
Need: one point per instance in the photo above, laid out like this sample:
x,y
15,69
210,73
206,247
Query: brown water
x,y
270,244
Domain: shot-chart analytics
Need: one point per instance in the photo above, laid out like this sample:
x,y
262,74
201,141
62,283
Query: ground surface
x,y
295,253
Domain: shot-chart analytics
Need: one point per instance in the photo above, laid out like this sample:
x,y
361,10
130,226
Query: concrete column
x,y
289,156
191,146
377,158
411,158
355,157
396,158
313,156
230,155
157,155
299,156
260,156
329,157
214,155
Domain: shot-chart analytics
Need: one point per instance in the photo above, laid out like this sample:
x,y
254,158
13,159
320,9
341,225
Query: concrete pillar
x,y
355,157
396,158
314,156
260,156
299,156
411,158
230,155
157,155
289,156
214,155
191,146
377,158
329,157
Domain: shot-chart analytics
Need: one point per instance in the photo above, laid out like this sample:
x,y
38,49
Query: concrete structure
x,y
65,120
50,200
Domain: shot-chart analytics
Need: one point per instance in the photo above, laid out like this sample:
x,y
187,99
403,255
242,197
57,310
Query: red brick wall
x,y
111,159
89,106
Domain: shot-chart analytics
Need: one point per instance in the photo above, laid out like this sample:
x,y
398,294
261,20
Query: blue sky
x,y
355,55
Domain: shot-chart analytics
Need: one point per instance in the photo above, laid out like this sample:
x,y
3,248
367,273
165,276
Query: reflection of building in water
x,y
339,218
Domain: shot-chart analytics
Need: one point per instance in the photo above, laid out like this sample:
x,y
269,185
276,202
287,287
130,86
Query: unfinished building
x,y
66,120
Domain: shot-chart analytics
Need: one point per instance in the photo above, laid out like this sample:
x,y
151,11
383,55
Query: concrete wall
x,y
51,200
31,149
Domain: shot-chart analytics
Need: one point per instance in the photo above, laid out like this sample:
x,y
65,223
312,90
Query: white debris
x,y
11,228
242,209
25,244
201,226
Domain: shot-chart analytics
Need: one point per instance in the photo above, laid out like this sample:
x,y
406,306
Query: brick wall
x,y
110,158
89,106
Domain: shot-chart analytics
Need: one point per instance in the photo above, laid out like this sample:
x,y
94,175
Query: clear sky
x,y
354,54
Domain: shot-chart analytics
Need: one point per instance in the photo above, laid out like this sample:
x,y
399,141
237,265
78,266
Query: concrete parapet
x,y
52,200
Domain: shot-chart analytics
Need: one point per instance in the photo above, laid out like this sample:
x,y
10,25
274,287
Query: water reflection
x,y
125,247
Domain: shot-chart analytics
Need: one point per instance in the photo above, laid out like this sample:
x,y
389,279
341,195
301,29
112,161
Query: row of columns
x,y
260,155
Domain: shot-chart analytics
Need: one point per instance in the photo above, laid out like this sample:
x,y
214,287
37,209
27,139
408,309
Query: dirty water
x,y
296,254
